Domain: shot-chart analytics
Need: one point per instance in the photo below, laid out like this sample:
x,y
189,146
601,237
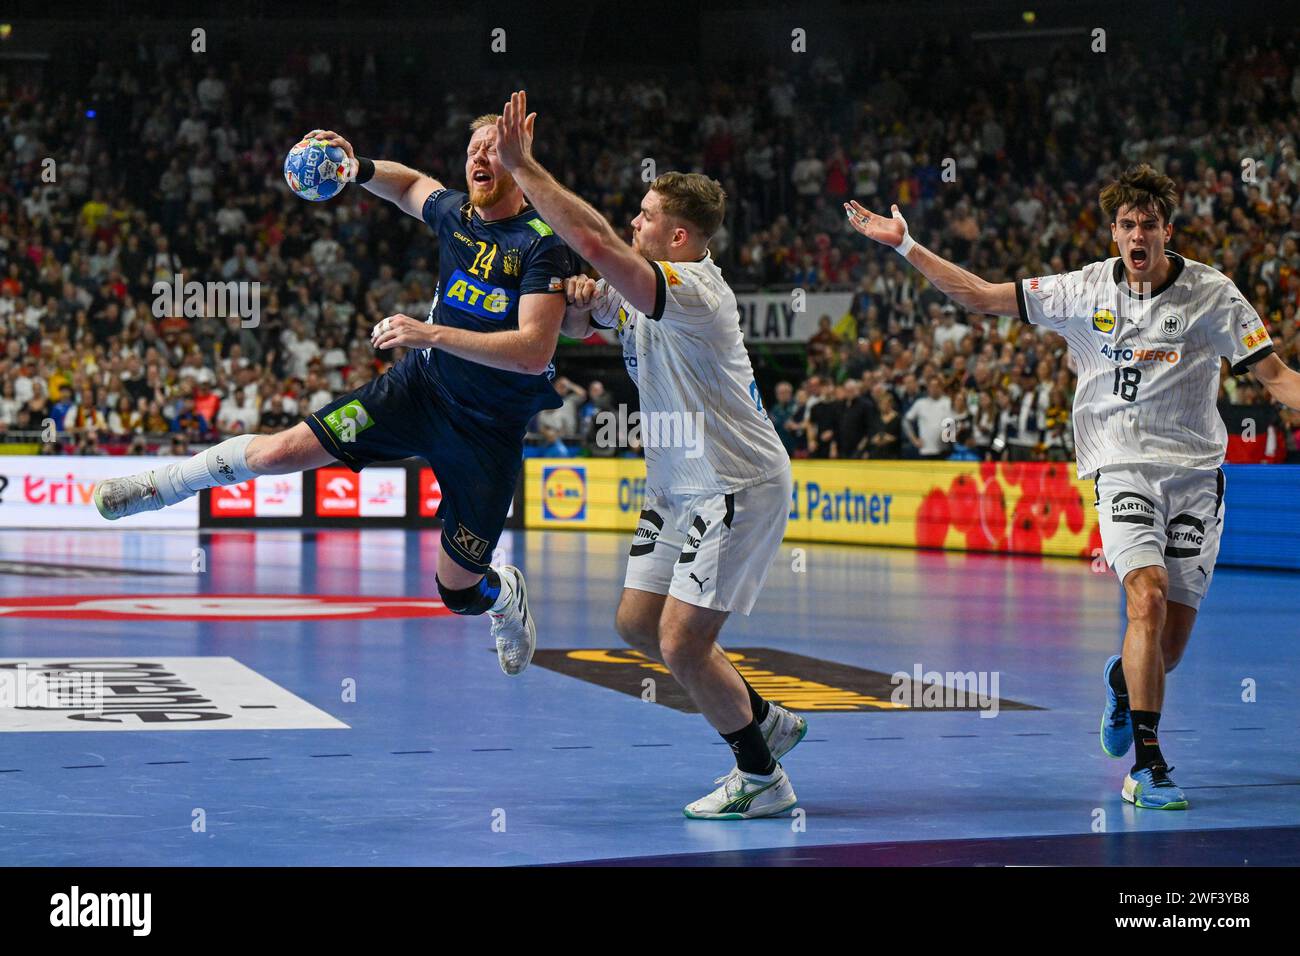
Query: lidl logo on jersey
x,y
478,298
1141,356
564,493
1254,338
1103,320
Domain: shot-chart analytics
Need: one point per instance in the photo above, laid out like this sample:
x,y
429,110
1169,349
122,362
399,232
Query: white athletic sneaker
x,y
782,730
514,629
119,497
743,796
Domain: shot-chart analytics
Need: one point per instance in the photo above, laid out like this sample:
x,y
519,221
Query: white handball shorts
x,y
1162,515
710,550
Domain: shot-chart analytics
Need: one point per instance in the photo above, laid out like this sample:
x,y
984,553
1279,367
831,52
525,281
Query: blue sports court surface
x,y
366,726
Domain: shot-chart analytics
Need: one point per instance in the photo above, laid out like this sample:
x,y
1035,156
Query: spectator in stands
x,y
549,445
564,419
886,438
929,422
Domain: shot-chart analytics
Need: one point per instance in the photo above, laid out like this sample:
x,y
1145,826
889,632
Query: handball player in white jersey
x,y
718,481
1148,331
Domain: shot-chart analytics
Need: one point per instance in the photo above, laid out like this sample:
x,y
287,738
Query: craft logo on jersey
x,y
470,295
1103,320
1254,338
564,493
1172,326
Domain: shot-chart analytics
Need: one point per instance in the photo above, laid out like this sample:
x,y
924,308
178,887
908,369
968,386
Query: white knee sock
x,y
225,463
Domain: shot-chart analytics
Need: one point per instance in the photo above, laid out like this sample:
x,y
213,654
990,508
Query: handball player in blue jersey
x,y
476,370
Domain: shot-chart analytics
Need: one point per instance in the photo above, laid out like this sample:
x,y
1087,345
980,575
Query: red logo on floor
x,y
219,607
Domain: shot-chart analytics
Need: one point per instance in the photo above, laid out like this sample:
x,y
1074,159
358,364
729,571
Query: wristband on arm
x,y
365,170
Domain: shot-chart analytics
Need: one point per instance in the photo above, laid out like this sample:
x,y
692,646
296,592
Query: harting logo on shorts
x,y
647,532
1131,508
1186,537
74,908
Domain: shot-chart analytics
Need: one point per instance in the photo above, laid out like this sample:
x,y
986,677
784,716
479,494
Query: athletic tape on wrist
x,y
904,247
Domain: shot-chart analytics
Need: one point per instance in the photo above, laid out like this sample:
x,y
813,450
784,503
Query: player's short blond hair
x,y
693,197
487,119
1141,187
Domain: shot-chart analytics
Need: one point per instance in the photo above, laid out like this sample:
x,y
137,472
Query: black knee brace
x,y
475,599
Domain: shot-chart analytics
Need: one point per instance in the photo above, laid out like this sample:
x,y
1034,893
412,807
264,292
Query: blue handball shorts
x,y
401,415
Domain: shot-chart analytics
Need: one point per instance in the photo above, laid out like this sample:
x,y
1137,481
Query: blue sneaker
x,y
1151,789
1116,728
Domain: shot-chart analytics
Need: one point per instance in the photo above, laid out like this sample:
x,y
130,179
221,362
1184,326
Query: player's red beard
x,y
484,197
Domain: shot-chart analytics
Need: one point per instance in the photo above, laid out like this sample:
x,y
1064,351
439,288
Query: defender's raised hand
x,y
515,132
889,232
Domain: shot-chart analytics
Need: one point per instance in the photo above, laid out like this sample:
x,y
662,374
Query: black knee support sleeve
x,y
475,599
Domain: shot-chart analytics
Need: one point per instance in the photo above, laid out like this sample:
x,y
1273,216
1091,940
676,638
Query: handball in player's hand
x,y
319,166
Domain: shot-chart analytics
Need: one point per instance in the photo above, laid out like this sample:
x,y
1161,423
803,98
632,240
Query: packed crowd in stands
x,y
177,173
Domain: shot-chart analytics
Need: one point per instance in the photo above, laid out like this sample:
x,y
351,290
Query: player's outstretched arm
x,y
1282,382
404,187
965,288
575,221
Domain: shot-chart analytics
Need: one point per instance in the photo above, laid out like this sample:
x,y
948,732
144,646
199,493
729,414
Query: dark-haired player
x,y
1147,330
476,370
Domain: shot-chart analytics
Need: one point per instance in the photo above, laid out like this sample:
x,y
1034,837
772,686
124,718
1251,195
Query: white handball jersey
x,y
702,420
1148,364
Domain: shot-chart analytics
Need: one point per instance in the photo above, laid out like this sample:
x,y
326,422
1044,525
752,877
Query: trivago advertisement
x,y
1031,508
55,491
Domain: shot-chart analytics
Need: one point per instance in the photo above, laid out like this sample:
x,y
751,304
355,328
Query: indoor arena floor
x,y
364,726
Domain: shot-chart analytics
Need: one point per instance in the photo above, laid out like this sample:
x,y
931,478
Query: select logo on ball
x,y
564,493
314,169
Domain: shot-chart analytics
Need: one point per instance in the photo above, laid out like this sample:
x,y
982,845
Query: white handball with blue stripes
x,y
314,169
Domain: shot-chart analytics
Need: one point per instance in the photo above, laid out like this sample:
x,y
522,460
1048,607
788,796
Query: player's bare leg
x,y
1179,620
637,623
500,593
228,462
1141,679
757,786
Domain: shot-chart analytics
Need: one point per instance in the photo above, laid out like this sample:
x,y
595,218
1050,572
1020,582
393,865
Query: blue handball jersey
x,y
484,269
